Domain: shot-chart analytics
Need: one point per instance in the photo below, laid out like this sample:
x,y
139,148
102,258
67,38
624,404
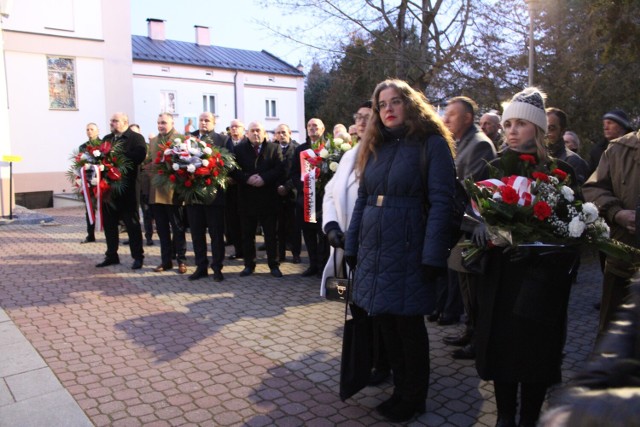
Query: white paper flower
x,y
567,193
333,166
345,146
177,141
576,227
207,151
183,147
96,153
191,168
324,153
87,166
205,162
175,166
101,167
590,212
194,151
94,181
338,141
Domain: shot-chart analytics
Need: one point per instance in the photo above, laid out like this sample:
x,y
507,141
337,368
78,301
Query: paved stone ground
x,y
143,348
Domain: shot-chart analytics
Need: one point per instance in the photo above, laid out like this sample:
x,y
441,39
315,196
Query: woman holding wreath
x,y
399,233
524,293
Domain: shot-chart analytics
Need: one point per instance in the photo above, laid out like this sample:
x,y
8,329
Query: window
x,y
271,111
209,103
62,83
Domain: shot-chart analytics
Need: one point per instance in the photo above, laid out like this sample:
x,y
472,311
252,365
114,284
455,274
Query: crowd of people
x,y
384,216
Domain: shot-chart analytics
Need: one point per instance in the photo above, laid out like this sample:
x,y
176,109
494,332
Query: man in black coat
x,y
260,171
211,216
124,206
288,229
233,229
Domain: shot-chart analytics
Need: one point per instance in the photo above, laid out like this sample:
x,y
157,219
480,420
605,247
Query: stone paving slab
x,y
144,348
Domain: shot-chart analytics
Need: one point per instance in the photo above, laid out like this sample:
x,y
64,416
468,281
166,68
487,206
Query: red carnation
x,y
105,147
528,158
207,181
181,172
562,175
188,183
541,176
172,178
114,174
542,210
509,195
216,173
221,163
213,163
202,171
157,161
104,186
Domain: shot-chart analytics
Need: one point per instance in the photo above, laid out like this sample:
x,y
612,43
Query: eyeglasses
x,y
361,117
395,102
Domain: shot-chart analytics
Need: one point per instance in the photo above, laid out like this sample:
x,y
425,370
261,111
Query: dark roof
x,y
177,52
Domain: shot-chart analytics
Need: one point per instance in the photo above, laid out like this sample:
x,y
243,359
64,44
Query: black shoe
x,y
401,410
506,421
217,276
275,272
296,259
445,320
198,274
125,242
235,256
378,376
248,271
468,352
149,242
395,398
108,261
137,264
434,316
457,340
262,247
88,240
311,271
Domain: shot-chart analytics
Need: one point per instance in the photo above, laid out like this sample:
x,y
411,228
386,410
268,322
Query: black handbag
x,y
357,354
336,288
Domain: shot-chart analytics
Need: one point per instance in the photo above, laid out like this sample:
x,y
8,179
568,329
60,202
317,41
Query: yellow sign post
x,y
11,159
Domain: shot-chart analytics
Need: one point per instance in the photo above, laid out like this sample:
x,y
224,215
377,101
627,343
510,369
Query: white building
x,y
67,64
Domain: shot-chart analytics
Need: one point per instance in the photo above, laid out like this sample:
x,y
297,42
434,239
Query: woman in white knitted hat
x,y
524,293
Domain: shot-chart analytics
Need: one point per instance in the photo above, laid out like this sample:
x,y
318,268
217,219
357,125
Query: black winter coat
x,y
134,148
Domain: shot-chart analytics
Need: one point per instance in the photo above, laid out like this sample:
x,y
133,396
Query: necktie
x,y
257,149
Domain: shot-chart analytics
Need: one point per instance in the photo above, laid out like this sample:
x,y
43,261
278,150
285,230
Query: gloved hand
x,y
480,235
351,260
335,238
431,273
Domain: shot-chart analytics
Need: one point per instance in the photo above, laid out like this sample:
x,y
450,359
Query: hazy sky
x,y
232,23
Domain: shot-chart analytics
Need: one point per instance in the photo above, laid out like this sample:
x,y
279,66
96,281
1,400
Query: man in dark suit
x,y
260,171
287,229
92,134
203,217
124,206
233,228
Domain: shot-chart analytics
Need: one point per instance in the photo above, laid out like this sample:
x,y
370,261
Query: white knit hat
x,y
527,105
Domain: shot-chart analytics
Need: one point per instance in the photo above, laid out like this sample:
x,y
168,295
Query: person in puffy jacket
x,y
399,233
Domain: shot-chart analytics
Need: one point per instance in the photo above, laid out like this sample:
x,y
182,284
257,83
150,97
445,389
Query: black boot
x,y
401,410
506,421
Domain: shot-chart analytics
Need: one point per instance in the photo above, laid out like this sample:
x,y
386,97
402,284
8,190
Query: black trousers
x,y
91,228
170,229
286,228
203,218
316,242
453,306
531,399
406,341
468,289
233,224
131,218
249,224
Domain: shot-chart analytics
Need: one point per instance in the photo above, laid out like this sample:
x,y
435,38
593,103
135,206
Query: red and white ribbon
x,y
309,172
86,192
96,169
521,184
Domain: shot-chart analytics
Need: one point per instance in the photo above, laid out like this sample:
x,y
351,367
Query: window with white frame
x,y
209,103
271,111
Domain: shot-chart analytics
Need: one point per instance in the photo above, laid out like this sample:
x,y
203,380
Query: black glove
x,y
335,238
351,260
431,273
480,236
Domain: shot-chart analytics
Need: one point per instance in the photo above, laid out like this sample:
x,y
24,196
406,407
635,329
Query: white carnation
x,y
177,141
94,181
96,153
87,166
324,153
576,227
590,212
204,144
191,168
333,166
567,192
194,151
183,147
205,162
338,141
345,147
175,166
101,167
208,151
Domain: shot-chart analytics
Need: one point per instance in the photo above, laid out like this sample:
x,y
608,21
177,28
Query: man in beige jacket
x,y
167,209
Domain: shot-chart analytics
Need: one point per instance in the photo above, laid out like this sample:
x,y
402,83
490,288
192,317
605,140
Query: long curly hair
x,y
420,119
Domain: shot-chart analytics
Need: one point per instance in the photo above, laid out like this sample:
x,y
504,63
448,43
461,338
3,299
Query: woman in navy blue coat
x,y
399,232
